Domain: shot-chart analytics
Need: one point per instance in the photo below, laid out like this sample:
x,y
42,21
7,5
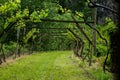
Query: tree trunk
x,y
23,45
94,31
2,56
75,49
0,60
115,45
17,44
78,44
90,55
81,49
78,48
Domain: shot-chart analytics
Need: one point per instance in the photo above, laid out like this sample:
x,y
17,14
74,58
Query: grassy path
x,y
44,66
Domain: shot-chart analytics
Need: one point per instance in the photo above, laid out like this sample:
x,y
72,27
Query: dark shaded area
x,y
103,13
115,45
115,56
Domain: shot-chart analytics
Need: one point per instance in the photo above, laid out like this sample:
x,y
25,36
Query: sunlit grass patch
x,y
56,65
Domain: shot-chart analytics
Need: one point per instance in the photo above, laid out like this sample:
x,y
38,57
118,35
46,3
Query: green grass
x,y
57,65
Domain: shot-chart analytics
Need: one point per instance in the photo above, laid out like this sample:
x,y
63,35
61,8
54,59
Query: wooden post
x,y
90,55
23,45
17,44
94,32
2,56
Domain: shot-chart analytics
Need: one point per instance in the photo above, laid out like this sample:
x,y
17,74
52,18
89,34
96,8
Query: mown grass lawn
x,y
56,65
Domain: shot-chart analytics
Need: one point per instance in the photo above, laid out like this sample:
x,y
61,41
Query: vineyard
x,y
42,36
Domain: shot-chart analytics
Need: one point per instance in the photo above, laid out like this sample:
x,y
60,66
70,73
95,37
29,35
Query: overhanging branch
x,y
78,26
54,20
65,21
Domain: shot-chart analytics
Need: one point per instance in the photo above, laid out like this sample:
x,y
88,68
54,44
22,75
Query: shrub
x,y
9,48
101,50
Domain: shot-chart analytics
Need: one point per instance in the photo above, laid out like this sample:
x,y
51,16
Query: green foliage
x,y
108,27
105,31
10,48
101,50
37,15
29,35
28,13
20,14
80,14
9,6
20,24
12,12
